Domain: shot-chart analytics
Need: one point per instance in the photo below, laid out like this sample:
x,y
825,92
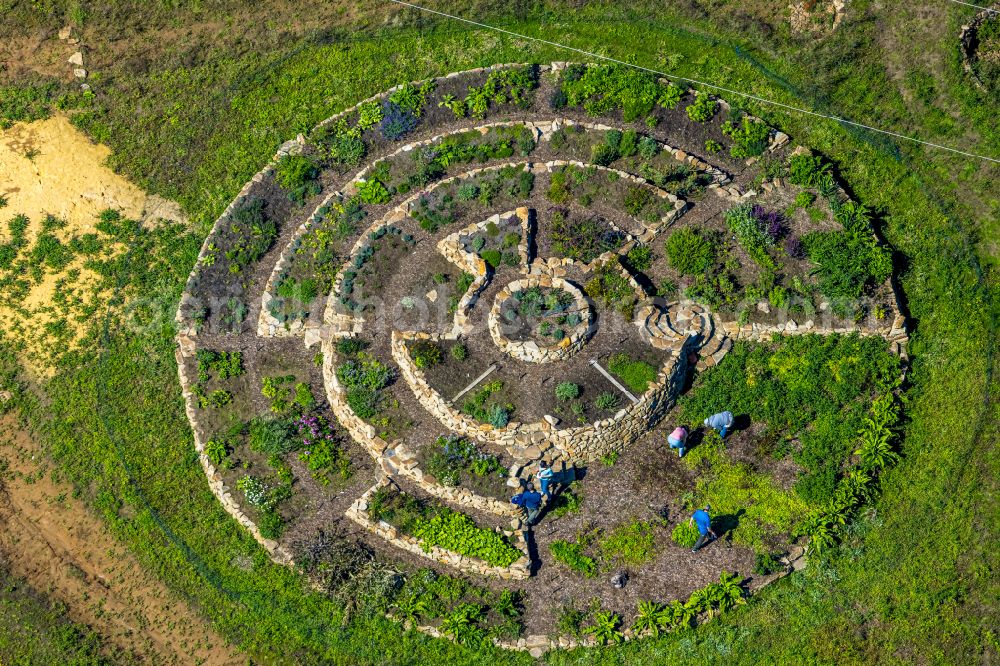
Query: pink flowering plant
x,y
320,449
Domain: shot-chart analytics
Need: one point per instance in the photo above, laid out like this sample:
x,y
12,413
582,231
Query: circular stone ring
x,y
575,316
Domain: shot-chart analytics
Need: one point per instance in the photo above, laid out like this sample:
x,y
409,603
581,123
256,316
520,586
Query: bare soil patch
x,y
60,548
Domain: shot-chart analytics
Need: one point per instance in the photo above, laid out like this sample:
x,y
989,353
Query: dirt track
x,y
63,550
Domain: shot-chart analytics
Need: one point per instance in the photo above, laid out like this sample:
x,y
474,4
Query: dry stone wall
x,y
529,350
519,570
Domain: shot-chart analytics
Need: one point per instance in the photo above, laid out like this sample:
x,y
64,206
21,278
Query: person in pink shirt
x,y
678,440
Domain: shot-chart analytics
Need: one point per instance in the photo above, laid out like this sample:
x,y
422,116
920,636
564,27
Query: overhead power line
x,y
969,4
704,84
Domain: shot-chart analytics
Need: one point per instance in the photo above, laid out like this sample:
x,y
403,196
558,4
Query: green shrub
x,y
570,621
271,525
364,377
750,234
454,456
648,148
254,235
339,144
426,354
491,257
749,137
498,416
607,401
639,258
848,262
303,291
297,174
459,352
350,346
712,146
571,554
270,436
602,88
633,543
702,109
567,391
223,365
685,534
569,500
372,191
808,170
635,374
636,199
765,564
689,252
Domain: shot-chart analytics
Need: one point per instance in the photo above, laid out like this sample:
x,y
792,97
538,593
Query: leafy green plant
x,y
631,543
426,354
218,451
570,621
454,456
606,401
750,234
566,391
648,619
254,234
606,628
297,175
807,170
461,624
364,377
569,500
635,374
685,534
304,291
459,352
639,258
458,533
572,555
702,109
372,191
270,436
749,137
848,260
689,251
765,564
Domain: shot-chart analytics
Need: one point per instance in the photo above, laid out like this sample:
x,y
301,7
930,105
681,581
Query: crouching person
x,y
678,440
530,501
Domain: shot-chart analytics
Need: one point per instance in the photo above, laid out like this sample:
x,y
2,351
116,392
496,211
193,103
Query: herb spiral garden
x,y
462,277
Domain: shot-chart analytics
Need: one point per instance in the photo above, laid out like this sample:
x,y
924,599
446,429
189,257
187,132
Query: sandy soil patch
x,y
51,168
60,548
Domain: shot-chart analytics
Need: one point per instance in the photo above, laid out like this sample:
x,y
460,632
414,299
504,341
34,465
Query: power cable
x,y
980,7
705,84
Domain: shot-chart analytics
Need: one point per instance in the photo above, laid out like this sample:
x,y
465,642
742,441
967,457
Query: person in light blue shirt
x,y
703,521
545,476
722,422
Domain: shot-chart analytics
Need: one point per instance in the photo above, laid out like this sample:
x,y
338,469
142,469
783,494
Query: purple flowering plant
x,y
320,450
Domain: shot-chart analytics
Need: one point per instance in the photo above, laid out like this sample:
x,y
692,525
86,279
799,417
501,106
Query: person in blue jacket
x,y
703,521
531,501
722,422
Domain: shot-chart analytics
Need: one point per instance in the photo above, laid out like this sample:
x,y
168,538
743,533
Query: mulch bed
x,y
646,478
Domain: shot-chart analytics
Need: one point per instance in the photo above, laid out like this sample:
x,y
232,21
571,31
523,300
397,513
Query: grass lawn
x,y
915,580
